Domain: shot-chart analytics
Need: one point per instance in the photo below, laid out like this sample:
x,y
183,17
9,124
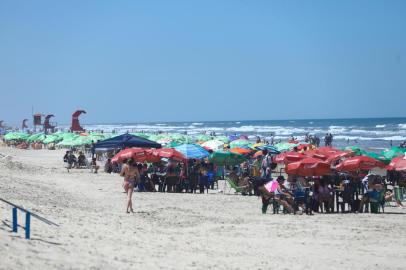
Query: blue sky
x,y
139,61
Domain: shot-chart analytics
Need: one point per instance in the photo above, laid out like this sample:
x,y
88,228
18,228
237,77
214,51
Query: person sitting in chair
x,y
275,189
82,161
108,166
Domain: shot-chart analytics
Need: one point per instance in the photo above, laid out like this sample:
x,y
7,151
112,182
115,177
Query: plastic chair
x,y
377,201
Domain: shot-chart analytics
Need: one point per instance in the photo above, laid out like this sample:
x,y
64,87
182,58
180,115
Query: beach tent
x,y
126,140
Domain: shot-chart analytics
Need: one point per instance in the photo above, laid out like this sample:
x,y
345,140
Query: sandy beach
x,y
175,231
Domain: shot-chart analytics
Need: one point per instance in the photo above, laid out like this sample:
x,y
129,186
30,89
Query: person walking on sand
x,y
131,175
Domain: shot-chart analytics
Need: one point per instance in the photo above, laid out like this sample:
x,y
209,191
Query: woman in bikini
x,y
131,175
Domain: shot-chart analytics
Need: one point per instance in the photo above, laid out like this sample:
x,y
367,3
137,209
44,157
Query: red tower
x,y
24,124
75,121
47,124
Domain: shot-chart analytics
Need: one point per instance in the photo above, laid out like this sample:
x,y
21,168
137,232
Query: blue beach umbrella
x,y
190,151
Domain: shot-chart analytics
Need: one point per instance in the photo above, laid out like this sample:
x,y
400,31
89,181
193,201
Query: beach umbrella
x,y
164,141
283,147
333,157
258,153
36,137
203,138
224,139
126,140
357,150
52,138
359,163
308,167
288,157
304,146
377,157
233,137
137,154
16,136
316,154
394,152
142,135
213,145
168,153
241,151
173,144
226,158
192,151
398,164
270,148
239,143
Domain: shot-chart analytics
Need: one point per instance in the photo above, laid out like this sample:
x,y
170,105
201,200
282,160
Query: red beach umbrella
x,y
316,154
288,157
359,163
138,154
397,164
308,167
168,153
303,146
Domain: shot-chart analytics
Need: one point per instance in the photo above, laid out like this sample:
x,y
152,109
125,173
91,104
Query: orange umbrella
x,y
241,151
258,154
359,163
308,167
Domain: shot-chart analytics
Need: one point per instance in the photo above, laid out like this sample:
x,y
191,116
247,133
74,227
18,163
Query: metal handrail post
x,y
27,225
15,224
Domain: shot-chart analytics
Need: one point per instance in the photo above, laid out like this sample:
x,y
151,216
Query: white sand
x,y
176,231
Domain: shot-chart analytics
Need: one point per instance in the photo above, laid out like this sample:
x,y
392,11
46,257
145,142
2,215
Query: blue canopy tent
x,y
125,140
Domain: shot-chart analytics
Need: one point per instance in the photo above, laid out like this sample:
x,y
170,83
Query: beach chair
x,y
211,180
301,196
398,193
377,202
233,185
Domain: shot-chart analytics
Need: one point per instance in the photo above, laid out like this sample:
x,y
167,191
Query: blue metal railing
x,y
28,216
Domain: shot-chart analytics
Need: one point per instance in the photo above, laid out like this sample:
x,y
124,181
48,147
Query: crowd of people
x,y
259,176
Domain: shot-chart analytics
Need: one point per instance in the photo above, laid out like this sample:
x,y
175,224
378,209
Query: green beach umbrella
x,y
16,136
393,152
239,143
226,158
377,157
357,150
203,138
52,138
224,139
283,146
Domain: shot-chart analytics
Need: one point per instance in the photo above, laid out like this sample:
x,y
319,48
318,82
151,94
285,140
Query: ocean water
x,y
371,133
